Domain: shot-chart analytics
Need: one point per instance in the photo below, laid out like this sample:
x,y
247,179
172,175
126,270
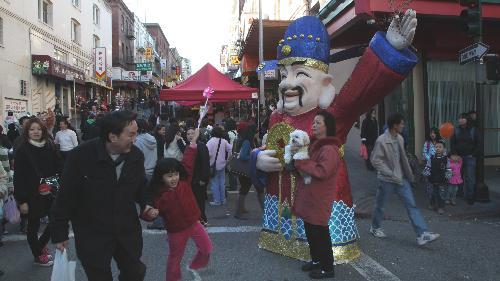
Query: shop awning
x,y
208,76
48,66
273,32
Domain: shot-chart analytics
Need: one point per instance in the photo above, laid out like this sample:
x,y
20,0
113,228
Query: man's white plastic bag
x,y
63,270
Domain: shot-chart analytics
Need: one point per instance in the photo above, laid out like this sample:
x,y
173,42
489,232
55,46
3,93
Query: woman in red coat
x,y
313,201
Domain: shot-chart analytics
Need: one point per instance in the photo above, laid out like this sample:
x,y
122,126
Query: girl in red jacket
x,y
177,205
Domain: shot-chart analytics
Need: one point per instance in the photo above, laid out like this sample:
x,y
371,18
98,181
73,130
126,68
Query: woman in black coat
x,y
159,135
36,159
369,134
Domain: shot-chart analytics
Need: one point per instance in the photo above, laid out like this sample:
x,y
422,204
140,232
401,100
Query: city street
x,y
464,251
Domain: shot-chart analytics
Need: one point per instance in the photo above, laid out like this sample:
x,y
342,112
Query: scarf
x,y
37,143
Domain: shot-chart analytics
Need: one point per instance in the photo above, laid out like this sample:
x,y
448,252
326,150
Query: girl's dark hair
x,y
165,166
330,122
369,113
142,126
467,117
217,132
248,134
65,121
157,129
45,132
172,130
436,131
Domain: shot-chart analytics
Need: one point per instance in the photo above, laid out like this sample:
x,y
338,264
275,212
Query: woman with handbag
x,y
37,166
245,144
218,148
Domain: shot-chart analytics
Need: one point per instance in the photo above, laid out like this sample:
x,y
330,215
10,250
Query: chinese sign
x,y
46,65
149,52
163,64
145,66
19,107
100,62
136,76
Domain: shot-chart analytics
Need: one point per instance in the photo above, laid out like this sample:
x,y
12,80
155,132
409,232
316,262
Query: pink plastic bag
x,y
10,210
363,152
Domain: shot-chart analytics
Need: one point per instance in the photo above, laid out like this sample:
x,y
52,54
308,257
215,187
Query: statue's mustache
x,y
296,88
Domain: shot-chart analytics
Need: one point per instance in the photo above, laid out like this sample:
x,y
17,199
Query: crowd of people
x,y
179,161
449,165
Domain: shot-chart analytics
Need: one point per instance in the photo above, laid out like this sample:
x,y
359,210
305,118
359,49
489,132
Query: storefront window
x,y
451,91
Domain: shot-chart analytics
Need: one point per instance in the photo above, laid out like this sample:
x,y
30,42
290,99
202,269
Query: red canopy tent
x,y
191,90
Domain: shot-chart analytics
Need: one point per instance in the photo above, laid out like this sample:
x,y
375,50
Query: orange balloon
x,y
446,130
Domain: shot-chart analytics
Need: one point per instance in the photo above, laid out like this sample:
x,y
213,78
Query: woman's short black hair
x,y
369,113
394,119
114,123
143,126
330,122
436,132
217,132
165,166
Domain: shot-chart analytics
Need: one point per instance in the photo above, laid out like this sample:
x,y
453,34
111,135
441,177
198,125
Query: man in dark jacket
x,y
465,141
201,175
369,135
102,182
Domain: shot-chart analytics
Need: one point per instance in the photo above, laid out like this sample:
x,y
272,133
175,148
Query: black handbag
x,y
239,167
213,168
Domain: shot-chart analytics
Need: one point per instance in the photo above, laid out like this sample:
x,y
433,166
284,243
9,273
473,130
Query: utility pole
x,y
261,98
482,190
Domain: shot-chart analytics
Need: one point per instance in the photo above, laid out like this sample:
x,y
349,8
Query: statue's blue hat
x,y
306,41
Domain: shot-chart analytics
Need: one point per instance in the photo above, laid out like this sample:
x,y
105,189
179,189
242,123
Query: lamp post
x,y
261,98
70,77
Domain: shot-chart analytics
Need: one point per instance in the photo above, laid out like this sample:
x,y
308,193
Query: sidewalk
x,y
363,184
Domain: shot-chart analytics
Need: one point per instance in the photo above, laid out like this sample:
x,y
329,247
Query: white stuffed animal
x,y
300,140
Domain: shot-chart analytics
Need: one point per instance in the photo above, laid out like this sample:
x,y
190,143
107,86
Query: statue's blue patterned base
x,y
290,233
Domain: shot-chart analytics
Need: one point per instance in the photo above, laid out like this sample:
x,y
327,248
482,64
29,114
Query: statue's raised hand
x,y
401,31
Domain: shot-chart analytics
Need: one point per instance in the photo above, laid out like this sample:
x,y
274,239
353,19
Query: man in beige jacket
x,y
394,174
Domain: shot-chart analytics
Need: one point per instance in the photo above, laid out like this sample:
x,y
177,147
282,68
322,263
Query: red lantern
x,y
446,130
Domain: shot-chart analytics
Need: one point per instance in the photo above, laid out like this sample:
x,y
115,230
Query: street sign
x,y
145,66
473,53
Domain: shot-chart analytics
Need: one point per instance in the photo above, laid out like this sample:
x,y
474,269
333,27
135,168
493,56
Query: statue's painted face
x,y
304,88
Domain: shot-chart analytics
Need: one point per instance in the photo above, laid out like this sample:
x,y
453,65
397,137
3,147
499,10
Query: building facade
x,y
162,49
123,49
43,44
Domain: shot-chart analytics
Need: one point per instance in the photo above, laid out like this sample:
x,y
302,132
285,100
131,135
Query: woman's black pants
x,y
36,243
320,245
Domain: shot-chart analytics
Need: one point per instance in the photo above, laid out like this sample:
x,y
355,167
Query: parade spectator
x,y
201,175
456,178
159,135
438,172
10,119
473,119
218,149
245,145
12,133
369,134
65,138
322,167
36,160
394,174
465,141
429,149
233,136
177,204
90,130
147,145
174,143
103,180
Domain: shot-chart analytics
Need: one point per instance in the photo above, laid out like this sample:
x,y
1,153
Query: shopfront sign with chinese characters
x,y
18,107
46,65
100,63
137,76
144,66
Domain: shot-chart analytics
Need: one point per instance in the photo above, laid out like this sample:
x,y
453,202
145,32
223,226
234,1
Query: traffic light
x,y
471,17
